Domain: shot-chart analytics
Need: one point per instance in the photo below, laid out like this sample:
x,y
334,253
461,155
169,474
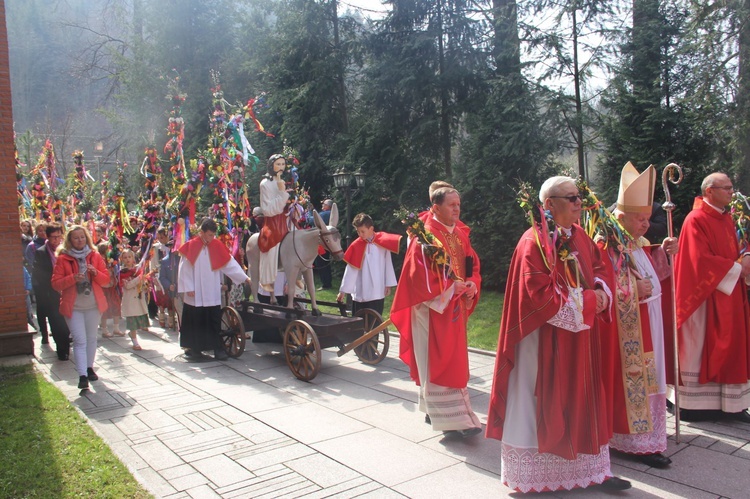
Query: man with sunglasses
x,y
712,310
548,402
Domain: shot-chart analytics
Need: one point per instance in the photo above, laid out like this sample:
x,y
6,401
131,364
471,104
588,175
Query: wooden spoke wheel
x,y
302,350
375,349
232,332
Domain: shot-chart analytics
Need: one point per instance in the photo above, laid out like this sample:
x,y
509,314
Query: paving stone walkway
x,y
248,428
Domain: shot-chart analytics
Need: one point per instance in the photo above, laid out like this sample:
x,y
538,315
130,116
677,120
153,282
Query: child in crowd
x,y
112,292
134,291
369,274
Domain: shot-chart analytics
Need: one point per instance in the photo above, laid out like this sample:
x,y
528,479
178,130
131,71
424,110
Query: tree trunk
x,y
445,131
507,48
578,128
743,99
340,68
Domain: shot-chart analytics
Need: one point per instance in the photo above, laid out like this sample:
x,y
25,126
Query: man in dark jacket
x,y
47,299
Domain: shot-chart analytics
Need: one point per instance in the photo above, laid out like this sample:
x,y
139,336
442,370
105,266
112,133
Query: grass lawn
x,y
484,323
48,450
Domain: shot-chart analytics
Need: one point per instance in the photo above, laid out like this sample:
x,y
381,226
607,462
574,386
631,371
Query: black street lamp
x,y
343,181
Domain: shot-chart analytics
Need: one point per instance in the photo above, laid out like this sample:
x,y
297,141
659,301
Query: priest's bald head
x,y
717,189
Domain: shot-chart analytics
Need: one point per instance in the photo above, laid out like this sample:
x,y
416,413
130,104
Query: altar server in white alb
x,y
369,274
204,261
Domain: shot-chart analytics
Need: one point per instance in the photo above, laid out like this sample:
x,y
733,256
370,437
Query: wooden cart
x,y
305,335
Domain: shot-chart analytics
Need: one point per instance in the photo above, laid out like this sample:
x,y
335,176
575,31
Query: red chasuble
x,y
708,249
355,254
571,408
447,350
218,254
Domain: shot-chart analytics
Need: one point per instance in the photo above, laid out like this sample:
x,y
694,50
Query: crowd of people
x,y
583,362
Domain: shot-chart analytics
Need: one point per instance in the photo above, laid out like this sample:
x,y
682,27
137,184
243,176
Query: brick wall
x,y
12,295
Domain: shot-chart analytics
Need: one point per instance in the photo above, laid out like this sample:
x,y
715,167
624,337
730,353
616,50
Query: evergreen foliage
x,y
479,93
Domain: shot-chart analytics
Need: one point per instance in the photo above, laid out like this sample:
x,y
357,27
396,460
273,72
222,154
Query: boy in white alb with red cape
x,y
369,274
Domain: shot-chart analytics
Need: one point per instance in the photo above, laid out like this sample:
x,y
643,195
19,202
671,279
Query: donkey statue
x,y
296,254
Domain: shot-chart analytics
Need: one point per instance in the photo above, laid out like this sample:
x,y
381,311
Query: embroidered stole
x,y
638,368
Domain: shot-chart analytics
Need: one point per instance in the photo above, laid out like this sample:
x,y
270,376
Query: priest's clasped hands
x,y
469,288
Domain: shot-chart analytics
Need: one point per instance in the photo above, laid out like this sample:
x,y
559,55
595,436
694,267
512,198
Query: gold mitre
x,y
636,193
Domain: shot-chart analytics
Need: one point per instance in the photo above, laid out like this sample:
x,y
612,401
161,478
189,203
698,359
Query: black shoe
x,y
470,432
615,483
220,354
697,415
741,416
427,419
83,382
63,355
45,341
91,374
657,460
191,354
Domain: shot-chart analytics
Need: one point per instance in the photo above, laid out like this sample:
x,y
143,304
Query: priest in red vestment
x,y
633,352
548,402
431,310
712,309
204,261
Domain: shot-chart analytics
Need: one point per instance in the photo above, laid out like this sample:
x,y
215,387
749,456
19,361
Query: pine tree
x,y
505,143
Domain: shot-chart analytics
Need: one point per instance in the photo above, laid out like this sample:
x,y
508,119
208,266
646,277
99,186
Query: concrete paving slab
x,y
155,483
364,452
353,431
202,492
378,493
274,454
483,453
708,471
309,423
475,483
156,419
202,444
322,470
157,455
399,417
222,471
254,399
257,432
363,374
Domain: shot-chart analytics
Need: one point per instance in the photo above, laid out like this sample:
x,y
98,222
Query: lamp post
x,y
343,181
98,148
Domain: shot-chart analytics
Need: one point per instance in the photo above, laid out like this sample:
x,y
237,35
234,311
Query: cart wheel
x,y
232,332
302,350
375,349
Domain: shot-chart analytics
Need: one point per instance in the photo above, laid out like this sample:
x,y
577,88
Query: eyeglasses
x,y
726,188
572,198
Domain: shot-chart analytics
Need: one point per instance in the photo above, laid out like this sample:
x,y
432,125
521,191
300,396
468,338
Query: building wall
x,y
14,336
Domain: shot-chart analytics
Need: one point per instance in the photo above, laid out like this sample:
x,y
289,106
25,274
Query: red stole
x,y
447,349
708,249
571,403
355,253
218,253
